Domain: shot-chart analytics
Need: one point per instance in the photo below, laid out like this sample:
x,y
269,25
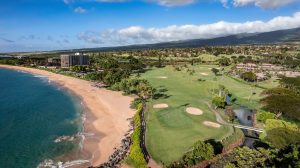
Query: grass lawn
x,y
171,131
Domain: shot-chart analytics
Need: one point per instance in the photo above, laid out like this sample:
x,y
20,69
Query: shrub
x,y
281,100
224,61
242,157
78,68
263,116
291,83
201,80
215,71
219,102
282,137
249,76
141,87
236,136
280,134
136,156
177,69
273,123
10,61
192,72
201,151
92,76
259,157
135,103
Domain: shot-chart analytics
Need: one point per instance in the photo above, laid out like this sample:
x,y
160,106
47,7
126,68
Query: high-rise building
x,y
74,59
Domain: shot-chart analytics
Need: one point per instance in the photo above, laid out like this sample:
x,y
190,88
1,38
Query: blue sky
x,y
35,25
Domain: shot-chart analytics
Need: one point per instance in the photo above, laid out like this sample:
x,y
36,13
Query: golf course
x,y
181,112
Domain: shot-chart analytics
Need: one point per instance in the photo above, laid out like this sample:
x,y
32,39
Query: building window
x,y
249,118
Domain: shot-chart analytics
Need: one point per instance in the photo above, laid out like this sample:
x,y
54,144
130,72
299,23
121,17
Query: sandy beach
x,y
106,115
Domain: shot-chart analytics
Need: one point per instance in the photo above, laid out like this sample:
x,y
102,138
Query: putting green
x,y
172,131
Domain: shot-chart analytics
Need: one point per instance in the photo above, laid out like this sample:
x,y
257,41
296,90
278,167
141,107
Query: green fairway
x,y
171,131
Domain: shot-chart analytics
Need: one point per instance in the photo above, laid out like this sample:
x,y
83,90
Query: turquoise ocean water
x,y
33,112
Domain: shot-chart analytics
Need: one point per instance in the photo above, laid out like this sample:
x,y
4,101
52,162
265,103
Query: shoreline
x,y
104,122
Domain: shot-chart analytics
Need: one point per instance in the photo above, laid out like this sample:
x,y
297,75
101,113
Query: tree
x,y
292,63
160,61
230,113
249,76
224,61
132,64
263,116
288,156
219,102
125,86
223,92
274,123
298,55
233,57
282,137
215,71
11,61
140,87
145,90
201,151
136,103
114,76
93,76
109,64
216,52
78,68
259,157
243,157
280,134
290,83
282,101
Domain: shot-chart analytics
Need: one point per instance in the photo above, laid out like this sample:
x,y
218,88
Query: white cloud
x,y
80,10
224,3
141,35
263,3
171,3
90,37
168,3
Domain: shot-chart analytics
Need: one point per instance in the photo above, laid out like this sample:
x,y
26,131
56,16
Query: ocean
x,y
33,113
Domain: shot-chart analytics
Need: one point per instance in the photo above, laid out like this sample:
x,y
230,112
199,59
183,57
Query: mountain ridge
x,y
272,37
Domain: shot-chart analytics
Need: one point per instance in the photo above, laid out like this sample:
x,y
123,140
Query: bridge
x,y
248,128
221,121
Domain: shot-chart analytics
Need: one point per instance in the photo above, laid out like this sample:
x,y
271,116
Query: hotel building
x,y
75,59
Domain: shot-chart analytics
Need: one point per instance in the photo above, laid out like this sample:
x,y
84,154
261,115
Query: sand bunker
x,y
211,124
162,77
160,106
204,74
194,111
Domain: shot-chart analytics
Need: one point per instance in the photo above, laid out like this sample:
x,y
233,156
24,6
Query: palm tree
x,y
144,90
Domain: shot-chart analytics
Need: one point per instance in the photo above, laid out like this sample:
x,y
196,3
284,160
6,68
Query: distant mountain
x,y
273,37
280,36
